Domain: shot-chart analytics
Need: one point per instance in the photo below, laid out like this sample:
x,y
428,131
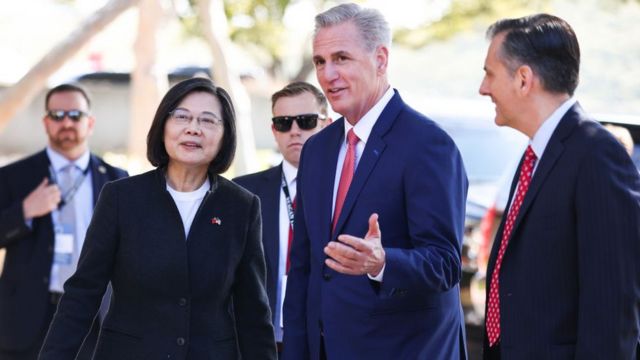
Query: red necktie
x,y
493,309
293,207
348,168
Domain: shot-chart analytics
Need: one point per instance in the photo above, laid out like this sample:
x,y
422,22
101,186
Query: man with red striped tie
x,y
563,279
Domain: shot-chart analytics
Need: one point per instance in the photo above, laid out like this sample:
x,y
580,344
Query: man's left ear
x,y
91,121
525,77
382,59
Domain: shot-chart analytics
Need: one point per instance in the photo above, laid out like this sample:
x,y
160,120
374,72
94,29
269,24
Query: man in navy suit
x,y
41,246
375,262
563,279
299,111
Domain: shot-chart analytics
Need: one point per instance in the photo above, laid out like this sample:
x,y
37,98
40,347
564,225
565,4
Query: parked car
x,y
489,153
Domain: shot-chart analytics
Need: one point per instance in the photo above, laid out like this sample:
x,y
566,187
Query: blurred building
x,y
110,94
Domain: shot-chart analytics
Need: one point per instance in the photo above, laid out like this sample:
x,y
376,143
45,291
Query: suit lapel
x,y
498,237
372,152
320,186
42,166
552,153
98,177
271,210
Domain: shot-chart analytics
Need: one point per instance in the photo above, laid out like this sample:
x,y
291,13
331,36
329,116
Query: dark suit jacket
x,y
570,276
24,285
267,184
412,175
172,297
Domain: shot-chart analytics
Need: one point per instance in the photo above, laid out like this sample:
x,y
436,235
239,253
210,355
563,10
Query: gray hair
x,y
372,25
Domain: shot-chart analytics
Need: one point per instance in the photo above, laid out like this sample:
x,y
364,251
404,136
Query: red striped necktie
x,y
493,308
348,168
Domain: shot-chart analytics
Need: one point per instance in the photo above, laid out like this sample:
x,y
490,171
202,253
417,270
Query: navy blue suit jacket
x,y
24,285
267,184
412,175
570,276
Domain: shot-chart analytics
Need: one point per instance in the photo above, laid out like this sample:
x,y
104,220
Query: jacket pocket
x,y
117,344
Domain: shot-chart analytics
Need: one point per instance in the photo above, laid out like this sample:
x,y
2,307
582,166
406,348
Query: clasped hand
x,y
42,200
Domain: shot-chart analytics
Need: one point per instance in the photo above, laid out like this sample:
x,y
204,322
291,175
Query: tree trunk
x,y
215,29
148,82
23,92
305,69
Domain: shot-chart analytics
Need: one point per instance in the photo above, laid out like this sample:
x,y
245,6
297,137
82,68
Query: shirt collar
x,y
542,136
364,126
290,172
58,161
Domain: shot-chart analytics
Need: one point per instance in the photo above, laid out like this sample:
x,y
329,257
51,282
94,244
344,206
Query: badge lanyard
x,y
65,246
68,196
290,210
287,196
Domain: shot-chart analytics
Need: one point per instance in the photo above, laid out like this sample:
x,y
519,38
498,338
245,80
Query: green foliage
x,y
190,21
465,15
257,25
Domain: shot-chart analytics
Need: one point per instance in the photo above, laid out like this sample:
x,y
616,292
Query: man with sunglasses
x,y
299,111
46,203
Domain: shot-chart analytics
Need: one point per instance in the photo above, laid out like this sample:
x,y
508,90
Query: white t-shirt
x,y
188,203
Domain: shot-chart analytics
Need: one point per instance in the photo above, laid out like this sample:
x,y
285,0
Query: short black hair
x,y
547,44
157,153
299,87
67,87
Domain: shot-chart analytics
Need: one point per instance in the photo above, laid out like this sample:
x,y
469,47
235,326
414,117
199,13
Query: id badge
x,y
63,250
283,290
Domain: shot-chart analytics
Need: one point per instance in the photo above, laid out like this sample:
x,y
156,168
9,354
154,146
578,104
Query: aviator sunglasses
x,y
305,122
59,115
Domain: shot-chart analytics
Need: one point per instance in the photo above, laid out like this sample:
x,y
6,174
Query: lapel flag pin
x,y
216,221
102,169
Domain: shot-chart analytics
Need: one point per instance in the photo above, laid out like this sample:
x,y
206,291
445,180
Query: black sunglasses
x,y
59,115
305,121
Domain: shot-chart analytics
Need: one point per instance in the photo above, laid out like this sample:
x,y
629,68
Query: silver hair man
x,y
373,27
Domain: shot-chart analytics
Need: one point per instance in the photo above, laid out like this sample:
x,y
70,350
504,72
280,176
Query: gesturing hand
x,y
41,201
357,256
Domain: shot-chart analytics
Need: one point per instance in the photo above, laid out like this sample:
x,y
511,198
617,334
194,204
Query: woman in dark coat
x,y
180,245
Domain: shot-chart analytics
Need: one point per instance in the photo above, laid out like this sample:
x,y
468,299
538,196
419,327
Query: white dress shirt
x,y
290,174
541,138
82,202
362,129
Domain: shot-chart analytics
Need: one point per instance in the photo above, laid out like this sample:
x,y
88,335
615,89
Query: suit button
x,y
45,280
50,249
326,276
182,302
180,341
